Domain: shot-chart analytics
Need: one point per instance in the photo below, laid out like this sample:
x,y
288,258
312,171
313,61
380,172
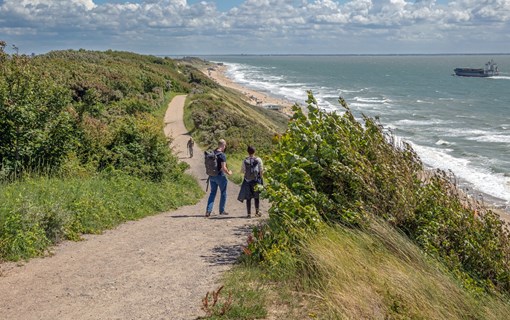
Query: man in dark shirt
x,y
219,181
190,145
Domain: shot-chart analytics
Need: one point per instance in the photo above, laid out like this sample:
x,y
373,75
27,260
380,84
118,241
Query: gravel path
x,y
159,267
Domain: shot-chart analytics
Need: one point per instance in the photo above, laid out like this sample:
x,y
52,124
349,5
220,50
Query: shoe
x,y
248,216
207,214
224,213
258,214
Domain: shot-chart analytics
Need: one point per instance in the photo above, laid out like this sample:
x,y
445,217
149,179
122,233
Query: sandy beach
x,y
217,73
256,98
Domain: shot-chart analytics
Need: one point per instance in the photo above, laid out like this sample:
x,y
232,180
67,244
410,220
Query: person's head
x,y
250,150
222,144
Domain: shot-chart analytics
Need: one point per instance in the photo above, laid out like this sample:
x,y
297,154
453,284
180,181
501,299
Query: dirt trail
x,y
159,267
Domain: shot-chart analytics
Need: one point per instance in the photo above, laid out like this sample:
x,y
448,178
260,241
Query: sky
x,y
206,27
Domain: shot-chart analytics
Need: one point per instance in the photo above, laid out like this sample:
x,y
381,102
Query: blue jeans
x,y
221,182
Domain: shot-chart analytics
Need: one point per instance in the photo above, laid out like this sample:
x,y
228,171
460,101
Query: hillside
x,y
353,231
330,181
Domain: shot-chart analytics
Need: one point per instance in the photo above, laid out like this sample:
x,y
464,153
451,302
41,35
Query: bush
x,y
139,148
36,128
329,168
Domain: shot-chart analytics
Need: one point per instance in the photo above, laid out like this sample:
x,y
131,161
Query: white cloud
x,y
164,26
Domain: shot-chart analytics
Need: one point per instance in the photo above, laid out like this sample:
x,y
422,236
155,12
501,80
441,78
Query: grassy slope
x,y
344,274
217,112
42,210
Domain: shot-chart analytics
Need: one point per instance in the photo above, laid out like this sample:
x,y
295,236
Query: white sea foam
x,y
424,122
442,142
362,105
496,185
461,132
371,100
498,138
500,78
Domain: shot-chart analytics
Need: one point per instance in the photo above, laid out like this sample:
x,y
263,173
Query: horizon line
x,y
332,54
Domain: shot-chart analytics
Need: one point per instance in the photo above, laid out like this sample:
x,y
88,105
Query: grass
x,y
371,271
38,212
359,274
258,126
249,294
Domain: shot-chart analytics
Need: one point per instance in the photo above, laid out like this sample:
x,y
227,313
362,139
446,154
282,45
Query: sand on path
x,y
159,267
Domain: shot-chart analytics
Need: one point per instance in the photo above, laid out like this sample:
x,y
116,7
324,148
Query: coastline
x,y
256,98
253,97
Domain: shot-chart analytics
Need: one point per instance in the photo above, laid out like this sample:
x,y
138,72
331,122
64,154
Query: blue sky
x,y
180,27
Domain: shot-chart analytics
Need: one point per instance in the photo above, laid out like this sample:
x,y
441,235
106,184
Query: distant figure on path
x,y
191,144
253,169
220,180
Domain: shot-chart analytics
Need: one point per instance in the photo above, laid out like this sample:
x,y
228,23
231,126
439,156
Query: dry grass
x,y
382,275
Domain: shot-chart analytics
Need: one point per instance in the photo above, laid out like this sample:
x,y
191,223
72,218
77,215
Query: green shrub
x,y
96,106
473,243
329,168
138,147
36,128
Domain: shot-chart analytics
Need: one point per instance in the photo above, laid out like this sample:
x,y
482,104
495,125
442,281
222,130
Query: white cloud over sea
x,y
258,26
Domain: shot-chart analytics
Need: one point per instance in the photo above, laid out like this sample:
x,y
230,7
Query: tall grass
x,y
40,211
346,273
379,274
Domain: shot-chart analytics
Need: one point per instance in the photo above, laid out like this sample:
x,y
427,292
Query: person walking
x,y
220,180
253,169
190,145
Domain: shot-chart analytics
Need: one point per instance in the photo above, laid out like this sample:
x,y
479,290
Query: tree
x,y
36,128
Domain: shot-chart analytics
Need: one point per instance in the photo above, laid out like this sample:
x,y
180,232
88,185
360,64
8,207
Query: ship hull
x,y
490,70
465,72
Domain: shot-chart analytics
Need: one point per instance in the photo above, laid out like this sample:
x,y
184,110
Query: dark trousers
x,y
248,205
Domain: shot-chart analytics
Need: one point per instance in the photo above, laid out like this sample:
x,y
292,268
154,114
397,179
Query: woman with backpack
x,y
253,169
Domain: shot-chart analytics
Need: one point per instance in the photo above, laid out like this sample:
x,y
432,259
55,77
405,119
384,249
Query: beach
x,y
257,98
253,97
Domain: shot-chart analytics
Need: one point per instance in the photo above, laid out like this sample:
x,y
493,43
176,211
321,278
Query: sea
x,y
457,124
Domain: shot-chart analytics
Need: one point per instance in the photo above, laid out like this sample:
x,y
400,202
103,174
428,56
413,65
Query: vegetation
x,y
355,230
86,125
41,211
217,112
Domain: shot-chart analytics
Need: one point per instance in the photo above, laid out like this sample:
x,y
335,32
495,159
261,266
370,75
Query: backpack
x,y
252,171
211,163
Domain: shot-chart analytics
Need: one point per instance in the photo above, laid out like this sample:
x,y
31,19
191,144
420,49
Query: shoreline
x,y
256,98
253,97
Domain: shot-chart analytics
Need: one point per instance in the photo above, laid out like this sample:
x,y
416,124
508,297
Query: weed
x,y
211,303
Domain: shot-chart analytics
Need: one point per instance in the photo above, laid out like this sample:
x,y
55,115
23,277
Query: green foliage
x,y
36,128
473,242
96,106
377,273
220,115
247,296
138,148
89,125
329,168
38,212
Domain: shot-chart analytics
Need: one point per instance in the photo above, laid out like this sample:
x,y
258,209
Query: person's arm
x,y
225,169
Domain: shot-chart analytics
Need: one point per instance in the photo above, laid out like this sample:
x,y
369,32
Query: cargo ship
x,y
490,70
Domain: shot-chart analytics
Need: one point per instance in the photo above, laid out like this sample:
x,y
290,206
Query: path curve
x,y
159,267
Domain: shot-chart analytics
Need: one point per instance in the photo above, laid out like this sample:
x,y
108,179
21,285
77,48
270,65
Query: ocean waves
x,y
454,123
